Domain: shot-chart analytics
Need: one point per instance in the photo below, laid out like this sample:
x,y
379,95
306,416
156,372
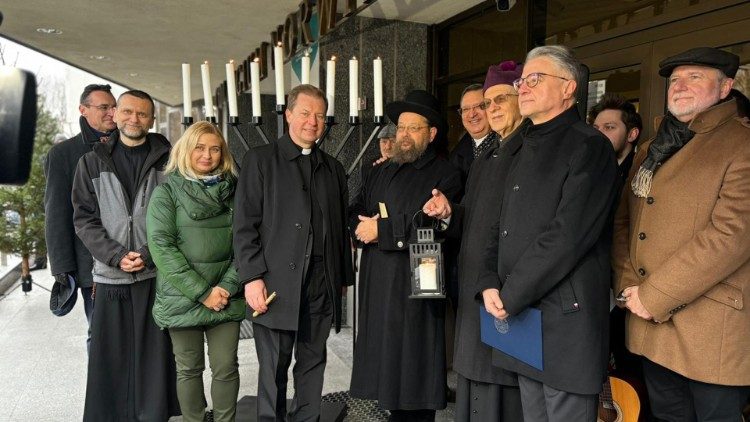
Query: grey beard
x,y
401,156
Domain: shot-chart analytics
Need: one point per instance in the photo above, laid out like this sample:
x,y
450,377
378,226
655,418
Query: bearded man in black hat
x,y
399,358
681,252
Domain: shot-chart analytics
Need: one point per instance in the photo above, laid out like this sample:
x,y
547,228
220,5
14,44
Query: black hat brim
x,y
393,111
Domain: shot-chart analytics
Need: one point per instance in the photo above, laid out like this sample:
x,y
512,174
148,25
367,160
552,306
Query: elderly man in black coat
x,y
485,393
290,238
399,358
551,246
68,256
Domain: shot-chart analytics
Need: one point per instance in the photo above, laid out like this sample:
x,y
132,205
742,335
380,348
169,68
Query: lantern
x,y
426,257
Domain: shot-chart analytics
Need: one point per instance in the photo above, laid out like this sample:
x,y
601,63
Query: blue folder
x,y
519,336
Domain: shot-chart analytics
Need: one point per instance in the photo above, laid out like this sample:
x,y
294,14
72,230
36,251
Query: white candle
x,y
353,87
377,71
231,90
305,76
207,97
428,275
187,101
278,59
331,84
255,86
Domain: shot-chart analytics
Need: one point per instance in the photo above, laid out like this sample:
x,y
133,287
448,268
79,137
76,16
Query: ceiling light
x,y
49,31
94,57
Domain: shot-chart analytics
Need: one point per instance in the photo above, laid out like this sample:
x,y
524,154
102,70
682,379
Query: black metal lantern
x,y
426,257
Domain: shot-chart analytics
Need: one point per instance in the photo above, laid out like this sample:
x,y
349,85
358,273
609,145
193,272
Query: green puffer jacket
x,y
190,239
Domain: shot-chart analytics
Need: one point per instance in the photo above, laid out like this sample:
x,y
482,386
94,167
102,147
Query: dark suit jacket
x,y
272,224
551,249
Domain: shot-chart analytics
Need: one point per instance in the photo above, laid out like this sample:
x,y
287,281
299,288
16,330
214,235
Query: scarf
x,y
670,137
489,141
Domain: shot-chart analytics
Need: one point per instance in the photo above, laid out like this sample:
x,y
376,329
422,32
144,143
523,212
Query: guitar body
x,y
625,406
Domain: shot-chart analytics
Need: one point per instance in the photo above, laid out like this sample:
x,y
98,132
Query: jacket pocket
x,y
726,294
568,299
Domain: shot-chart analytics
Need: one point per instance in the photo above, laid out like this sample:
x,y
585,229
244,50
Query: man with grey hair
x,y
550,246
682,246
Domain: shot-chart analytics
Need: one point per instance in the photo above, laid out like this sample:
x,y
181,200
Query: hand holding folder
x,y
519,336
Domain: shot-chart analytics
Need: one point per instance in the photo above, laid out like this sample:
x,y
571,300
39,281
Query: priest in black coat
x,y
485,393
399,355
551,246
290,237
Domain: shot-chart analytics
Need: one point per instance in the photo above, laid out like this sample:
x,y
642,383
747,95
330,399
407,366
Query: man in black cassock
x,y
484,392
399,355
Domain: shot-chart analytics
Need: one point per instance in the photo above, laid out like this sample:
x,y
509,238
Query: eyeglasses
x,y
103,107
411,129
498,100
467,110
533,79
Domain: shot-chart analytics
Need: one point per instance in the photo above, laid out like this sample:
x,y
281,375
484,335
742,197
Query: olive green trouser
x,y
187,345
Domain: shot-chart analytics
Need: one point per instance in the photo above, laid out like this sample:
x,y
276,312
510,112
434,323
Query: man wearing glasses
x,y
478,136
485,393
399,358
550,248
68,257
290,238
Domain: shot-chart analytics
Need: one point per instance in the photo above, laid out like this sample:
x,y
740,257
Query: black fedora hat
x,y
421,102
63,297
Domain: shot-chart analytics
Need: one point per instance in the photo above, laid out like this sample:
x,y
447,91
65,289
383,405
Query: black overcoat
x,y
399,355
551,249
66,252
272,225
471,220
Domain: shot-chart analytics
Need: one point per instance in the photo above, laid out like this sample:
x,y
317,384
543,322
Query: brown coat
x,y
688,248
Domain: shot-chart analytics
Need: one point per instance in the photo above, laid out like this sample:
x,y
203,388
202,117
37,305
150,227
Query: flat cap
x,y
702,56
388,131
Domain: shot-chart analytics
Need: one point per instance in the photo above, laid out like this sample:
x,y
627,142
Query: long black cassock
x,y
399,354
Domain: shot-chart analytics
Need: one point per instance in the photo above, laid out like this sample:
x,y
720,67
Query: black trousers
x,y
275,347
675,398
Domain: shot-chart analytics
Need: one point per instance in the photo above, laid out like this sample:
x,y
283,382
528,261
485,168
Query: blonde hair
x,y
179,157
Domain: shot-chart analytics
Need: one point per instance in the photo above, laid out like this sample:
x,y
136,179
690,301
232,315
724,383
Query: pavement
x,y
43,358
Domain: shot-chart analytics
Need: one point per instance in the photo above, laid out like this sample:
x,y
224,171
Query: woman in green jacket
x,y
189,224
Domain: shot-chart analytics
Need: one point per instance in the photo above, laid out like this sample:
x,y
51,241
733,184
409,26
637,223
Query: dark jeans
x,y
88,309
675,398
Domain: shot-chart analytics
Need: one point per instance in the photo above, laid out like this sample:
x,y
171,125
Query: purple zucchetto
x,y
502,74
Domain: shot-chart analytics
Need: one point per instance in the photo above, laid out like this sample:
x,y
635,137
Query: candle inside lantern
x,y
255,86
187,101
353,87
231,90
377,65
207,97
428,274
331,85
305,74
278,59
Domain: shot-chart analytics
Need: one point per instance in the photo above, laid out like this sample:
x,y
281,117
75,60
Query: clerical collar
x,y
479,141
306,151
